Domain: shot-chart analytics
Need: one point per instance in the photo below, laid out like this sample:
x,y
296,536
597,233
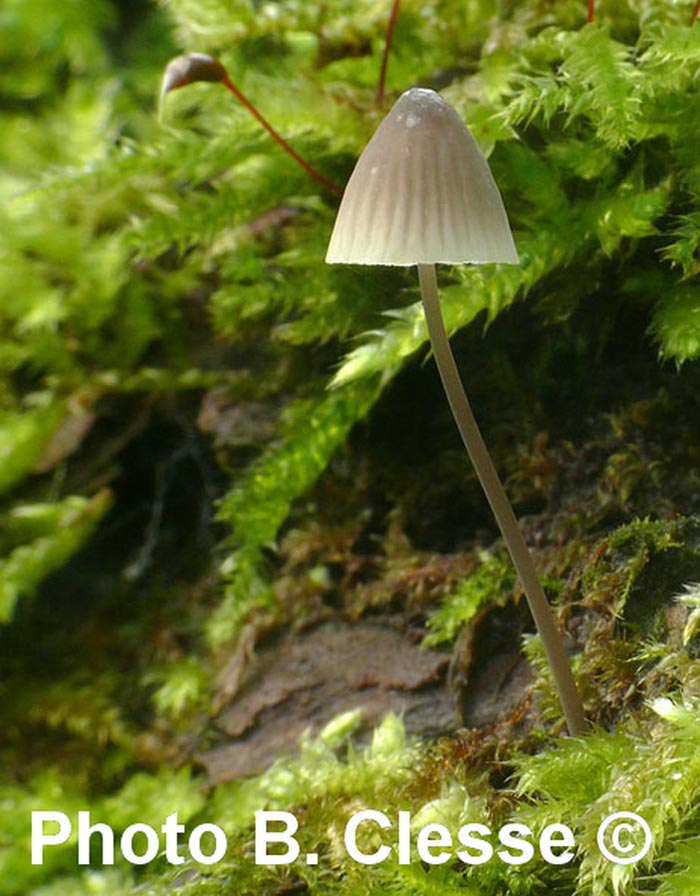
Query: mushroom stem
x,y
497,498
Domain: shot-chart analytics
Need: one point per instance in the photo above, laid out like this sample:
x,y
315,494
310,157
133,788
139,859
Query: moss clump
x,y
179,485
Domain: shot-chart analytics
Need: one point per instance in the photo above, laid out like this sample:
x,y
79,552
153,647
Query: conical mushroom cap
x,y
421,193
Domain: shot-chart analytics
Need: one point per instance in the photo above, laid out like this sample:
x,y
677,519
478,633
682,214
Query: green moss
x,y
147,268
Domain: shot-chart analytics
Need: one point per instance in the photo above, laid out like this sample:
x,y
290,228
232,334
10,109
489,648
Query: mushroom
x,y
422,193
192,67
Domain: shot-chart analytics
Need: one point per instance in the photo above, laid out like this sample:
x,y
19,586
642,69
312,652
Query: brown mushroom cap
x,y
184,70
421,193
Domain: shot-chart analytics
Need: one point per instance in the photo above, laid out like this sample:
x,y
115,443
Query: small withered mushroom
x,y
422,193
193,67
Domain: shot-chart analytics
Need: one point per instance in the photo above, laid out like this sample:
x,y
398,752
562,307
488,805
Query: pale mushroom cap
x,y
421,193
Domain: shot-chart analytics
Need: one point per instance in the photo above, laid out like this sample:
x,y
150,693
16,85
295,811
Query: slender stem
x,y
694,13
497,498
231,87
590,15
387,49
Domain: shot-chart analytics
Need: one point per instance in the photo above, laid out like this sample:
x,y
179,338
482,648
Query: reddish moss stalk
x,y
387,49
694,14
591,11
329,185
